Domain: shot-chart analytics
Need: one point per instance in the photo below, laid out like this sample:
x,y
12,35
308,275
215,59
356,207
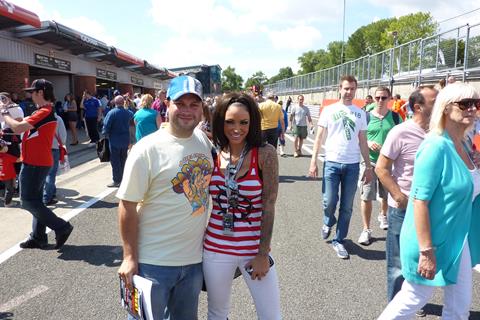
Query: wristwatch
x,y
4,111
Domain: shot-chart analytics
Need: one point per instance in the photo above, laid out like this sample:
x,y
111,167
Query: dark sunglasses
x,y
381,98
466,104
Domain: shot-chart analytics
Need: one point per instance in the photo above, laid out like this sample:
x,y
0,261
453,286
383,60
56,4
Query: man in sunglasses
x,y
379,122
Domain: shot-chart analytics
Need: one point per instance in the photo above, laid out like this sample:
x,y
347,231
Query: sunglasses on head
x,y
383,98
466,104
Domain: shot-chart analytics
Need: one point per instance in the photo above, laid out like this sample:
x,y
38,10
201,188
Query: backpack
x,y
395,116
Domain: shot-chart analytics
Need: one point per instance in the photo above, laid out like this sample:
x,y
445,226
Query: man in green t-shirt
x,y
380,120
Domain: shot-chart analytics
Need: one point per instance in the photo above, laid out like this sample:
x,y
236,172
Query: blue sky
x,y
249,35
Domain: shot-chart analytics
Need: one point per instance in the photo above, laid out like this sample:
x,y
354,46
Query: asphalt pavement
x,y
80,280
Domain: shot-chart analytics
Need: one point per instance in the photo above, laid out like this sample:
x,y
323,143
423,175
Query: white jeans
x,y
457,297
218,271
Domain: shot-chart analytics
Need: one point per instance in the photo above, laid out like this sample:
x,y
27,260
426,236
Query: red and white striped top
x,y
247,216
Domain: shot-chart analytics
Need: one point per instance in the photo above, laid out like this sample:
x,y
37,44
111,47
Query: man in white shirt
x,y
164,203
343,128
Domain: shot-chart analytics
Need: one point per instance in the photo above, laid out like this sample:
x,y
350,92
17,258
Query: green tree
x,y
230,80
312,61
257,79
283,73
334,54
448,54
408,28
366,39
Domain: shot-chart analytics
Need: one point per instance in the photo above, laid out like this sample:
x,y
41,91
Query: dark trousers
x,y
32,181
92,129
9,190
118,157
270,136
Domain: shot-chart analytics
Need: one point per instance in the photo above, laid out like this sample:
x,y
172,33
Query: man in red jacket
x,y
39,130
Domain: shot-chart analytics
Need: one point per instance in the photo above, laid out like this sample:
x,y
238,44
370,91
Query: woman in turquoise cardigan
x,y
440,238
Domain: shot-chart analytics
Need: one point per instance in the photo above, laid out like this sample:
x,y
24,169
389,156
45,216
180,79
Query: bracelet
x,y
426,250
5,111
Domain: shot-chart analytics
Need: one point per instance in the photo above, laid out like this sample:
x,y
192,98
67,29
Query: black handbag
x,y
103,150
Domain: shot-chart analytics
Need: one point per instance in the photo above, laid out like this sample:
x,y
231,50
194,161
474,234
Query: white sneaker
x,y
282,153
365,237
342,253
383,221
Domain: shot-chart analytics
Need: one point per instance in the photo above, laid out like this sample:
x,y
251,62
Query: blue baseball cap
x,y
182,85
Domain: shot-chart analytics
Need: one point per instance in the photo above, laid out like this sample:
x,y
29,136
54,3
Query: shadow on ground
x,y
436,310
97,255
293,179
364,252
6,316
69,199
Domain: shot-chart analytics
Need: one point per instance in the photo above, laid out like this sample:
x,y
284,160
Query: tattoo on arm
x,y
269,166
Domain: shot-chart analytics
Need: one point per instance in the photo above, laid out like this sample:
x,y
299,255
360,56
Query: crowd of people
x,y
198,181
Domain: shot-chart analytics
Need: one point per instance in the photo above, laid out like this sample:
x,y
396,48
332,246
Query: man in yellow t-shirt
x,y
164,204
271,113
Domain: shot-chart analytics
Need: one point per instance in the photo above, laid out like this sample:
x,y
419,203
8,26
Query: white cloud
x,y
296,38
439,9
185,51
89,27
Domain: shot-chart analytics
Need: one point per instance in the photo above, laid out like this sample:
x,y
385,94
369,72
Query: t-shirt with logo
x,y
91,107
401,146
343,124
169,178
37,142
301,113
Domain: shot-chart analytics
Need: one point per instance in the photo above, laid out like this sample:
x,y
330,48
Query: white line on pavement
x,y
304,147
7,254
15,302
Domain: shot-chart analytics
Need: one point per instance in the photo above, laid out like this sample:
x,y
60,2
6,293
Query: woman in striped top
x,y
244,188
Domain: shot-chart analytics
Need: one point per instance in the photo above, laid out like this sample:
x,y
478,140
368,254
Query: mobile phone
x,y
270,261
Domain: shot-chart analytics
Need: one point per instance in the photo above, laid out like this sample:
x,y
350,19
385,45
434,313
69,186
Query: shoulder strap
x,y
368,117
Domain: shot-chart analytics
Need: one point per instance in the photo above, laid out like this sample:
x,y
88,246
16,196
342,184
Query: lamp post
x,y
394,34
342,59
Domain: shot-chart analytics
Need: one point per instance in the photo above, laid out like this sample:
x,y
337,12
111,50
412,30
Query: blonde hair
x,y
452,93
146,101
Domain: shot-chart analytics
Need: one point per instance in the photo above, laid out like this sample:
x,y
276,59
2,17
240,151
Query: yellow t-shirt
x,y
271,113
169,177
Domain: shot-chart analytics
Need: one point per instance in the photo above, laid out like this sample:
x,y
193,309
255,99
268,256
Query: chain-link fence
x,y
455,52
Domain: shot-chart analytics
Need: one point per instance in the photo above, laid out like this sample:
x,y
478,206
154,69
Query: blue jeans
x,y
175,288
394,269
50,190
118,157
344,176
32,181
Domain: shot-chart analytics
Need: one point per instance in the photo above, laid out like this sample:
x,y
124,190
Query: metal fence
x,y
455,52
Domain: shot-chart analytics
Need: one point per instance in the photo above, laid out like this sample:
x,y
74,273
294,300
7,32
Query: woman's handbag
x,y
103,150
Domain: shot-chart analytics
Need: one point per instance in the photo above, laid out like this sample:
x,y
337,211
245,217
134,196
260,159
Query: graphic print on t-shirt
x,y
193,180
348,122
